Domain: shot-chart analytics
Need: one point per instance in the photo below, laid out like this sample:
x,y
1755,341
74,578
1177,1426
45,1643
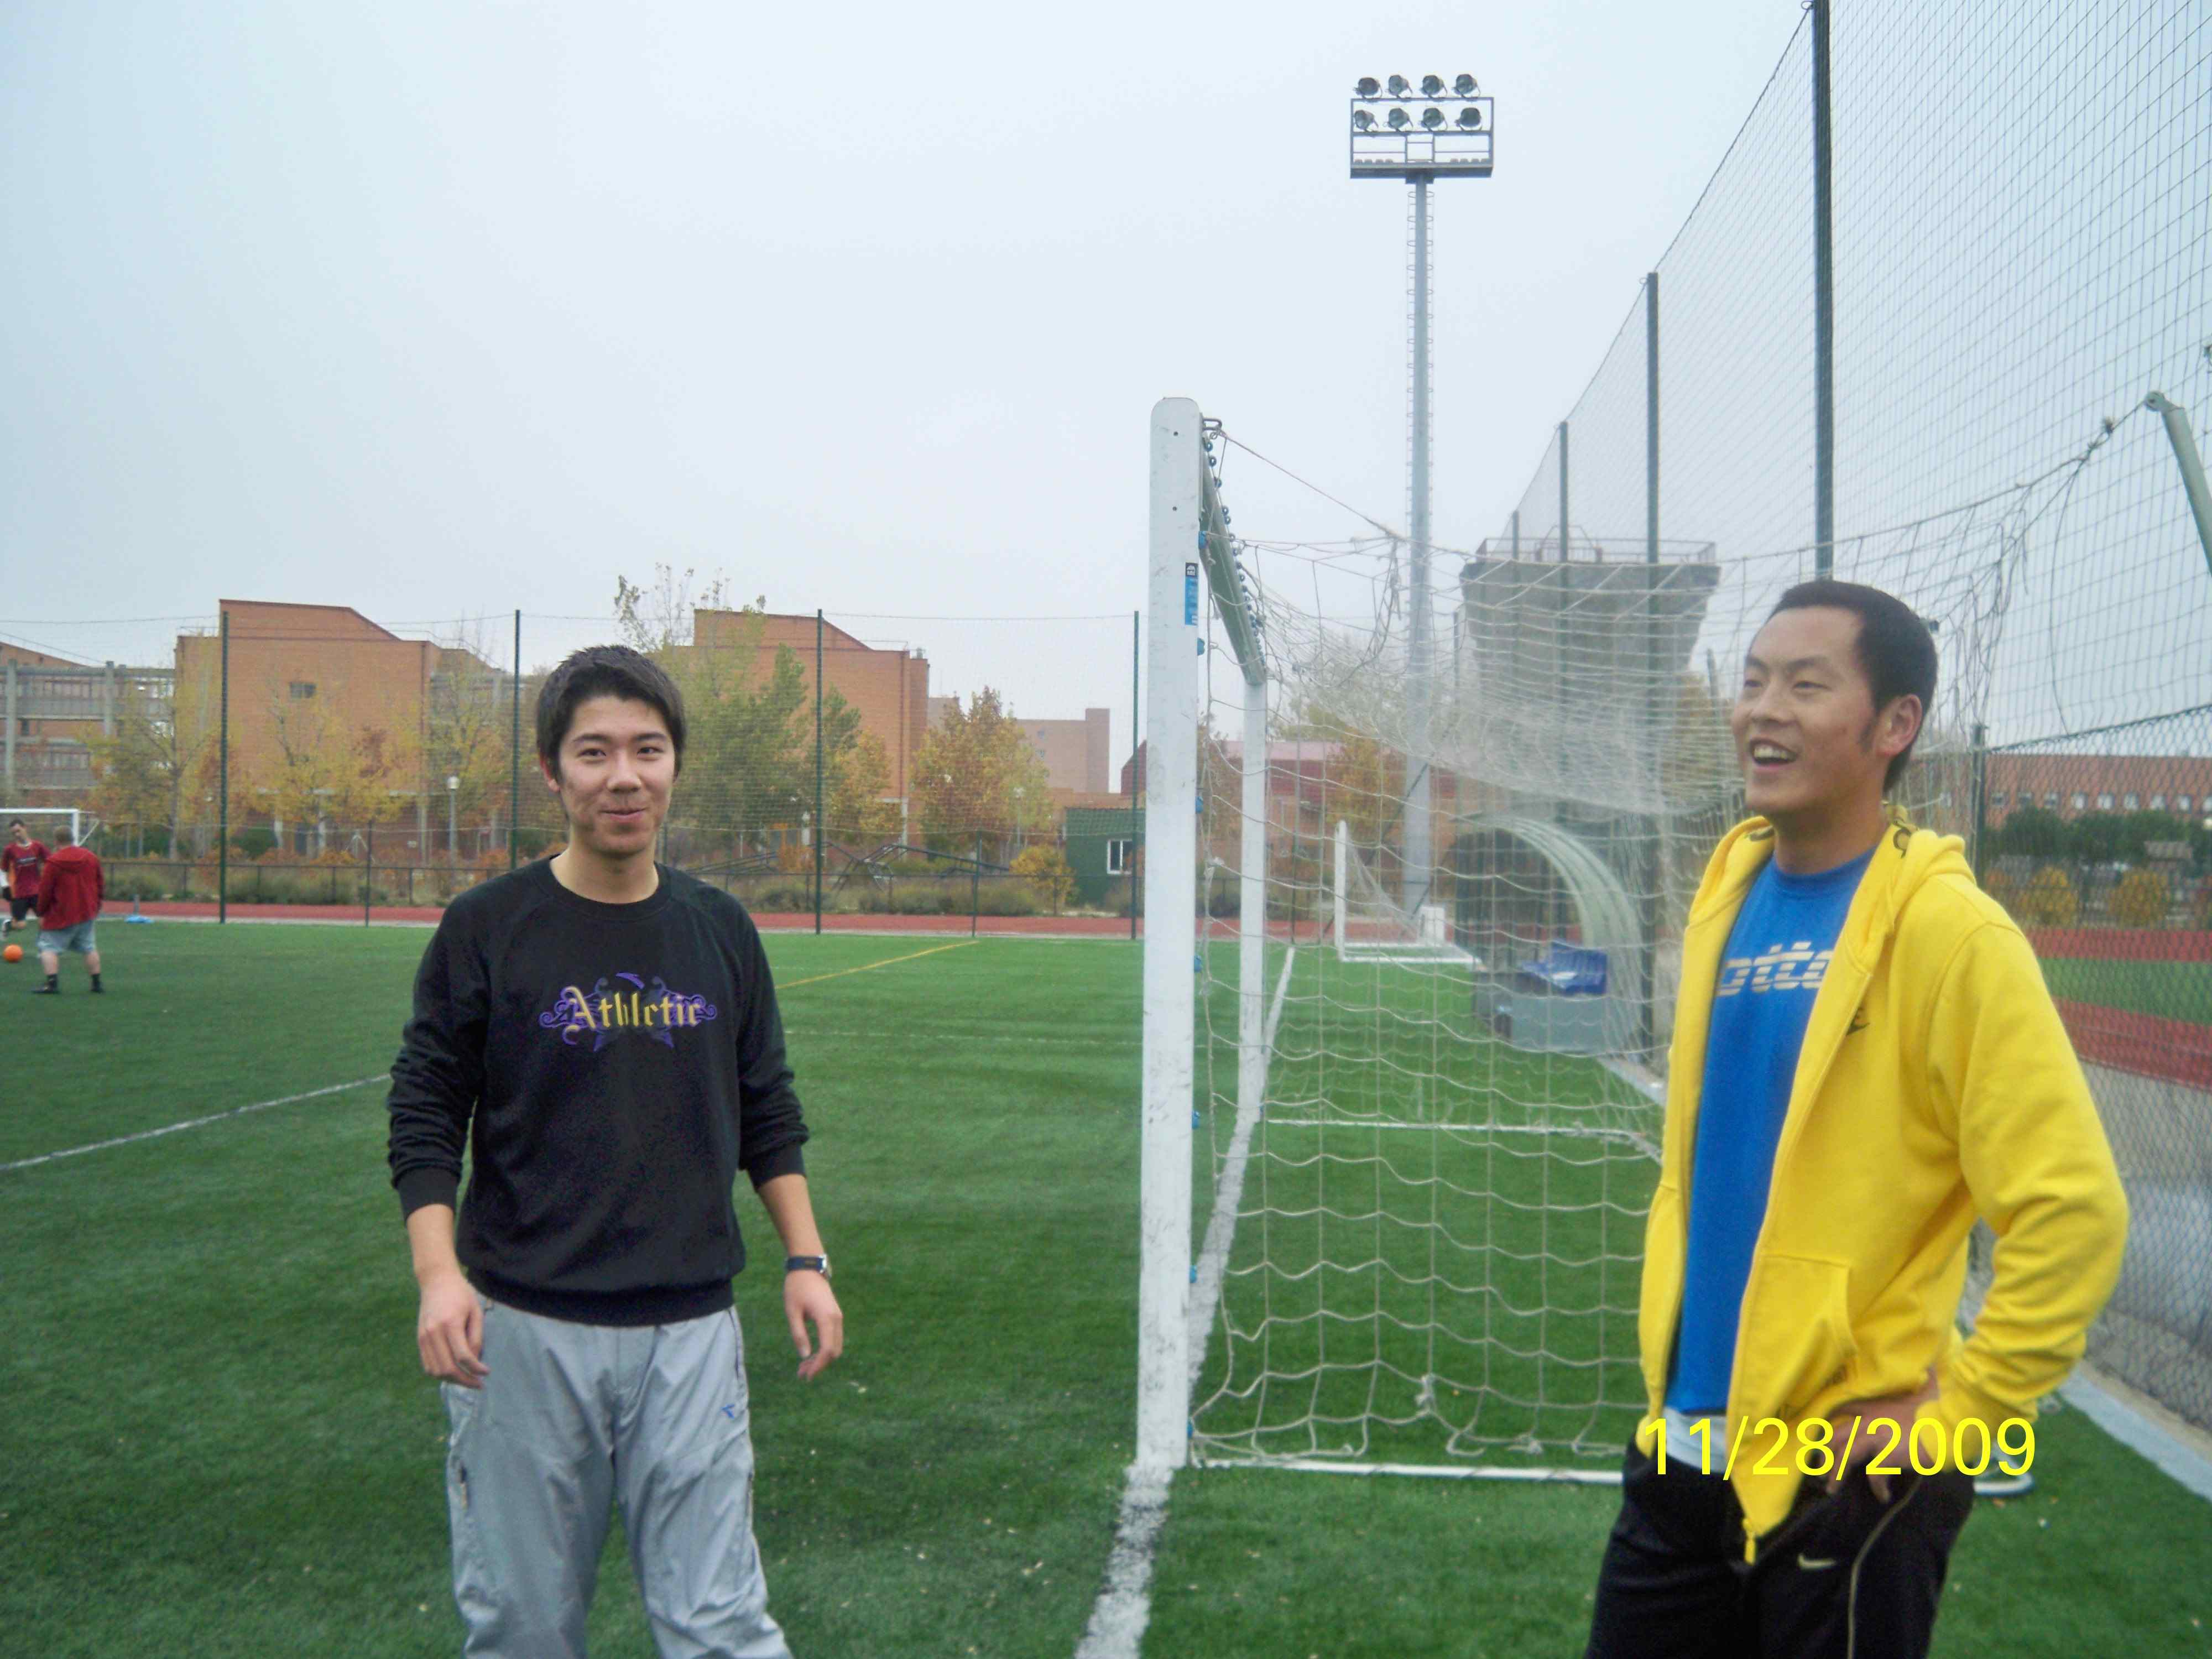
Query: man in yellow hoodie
x,y
1865,1059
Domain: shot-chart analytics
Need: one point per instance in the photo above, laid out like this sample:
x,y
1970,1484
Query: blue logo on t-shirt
x,y
1778,954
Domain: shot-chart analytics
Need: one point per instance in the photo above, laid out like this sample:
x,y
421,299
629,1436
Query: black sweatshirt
x,y
621,1063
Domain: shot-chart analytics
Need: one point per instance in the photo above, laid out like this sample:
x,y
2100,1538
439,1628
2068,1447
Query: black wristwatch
x,y
807,1264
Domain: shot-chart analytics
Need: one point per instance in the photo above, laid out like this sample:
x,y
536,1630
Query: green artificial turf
x,y
2170,990
2107,1556
218,1440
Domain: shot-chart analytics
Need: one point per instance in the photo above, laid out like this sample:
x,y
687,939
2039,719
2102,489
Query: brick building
x,y
2073,785
50,708
1077,755
308,675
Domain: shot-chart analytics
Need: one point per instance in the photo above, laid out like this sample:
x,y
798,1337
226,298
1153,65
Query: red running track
x,y
2171,1049
2123,944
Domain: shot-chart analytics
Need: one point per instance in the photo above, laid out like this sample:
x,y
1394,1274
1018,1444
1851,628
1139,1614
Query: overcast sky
x,y
440,310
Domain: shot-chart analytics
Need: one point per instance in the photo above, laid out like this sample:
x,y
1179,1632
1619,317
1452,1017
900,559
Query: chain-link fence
x,y
311,758
1980,382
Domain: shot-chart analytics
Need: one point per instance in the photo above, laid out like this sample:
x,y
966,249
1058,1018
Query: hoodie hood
x,y
1907,860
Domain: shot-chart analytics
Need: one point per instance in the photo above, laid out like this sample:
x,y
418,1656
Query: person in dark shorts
x,y
20,861
600,1034
1865,1060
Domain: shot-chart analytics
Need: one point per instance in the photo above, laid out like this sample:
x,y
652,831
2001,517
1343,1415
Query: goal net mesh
x,y
1429,1252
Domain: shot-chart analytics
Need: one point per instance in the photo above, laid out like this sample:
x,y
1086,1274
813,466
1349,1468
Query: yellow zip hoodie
x,y
1936,1083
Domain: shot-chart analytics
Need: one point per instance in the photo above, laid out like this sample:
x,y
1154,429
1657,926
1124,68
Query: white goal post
x,y
42,821
1192,555
1367,925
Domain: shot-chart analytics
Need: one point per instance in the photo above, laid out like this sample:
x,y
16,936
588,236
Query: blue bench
x,y
1563,969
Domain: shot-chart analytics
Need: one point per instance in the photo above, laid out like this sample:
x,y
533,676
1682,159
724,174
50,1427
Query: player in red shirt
x,y
70,892
20,861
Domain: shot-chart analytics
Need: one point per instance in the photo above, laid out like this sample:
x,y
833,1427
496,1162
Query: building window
x,y
2081,800
2103,800
2158,803
1117,856
2181,803
302,690
1997,801
2051,801
2131,800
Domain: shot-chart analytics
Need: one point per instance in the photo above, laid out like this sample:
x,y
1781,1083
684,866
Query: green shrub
x,y
1049,874
2049,900
2140,899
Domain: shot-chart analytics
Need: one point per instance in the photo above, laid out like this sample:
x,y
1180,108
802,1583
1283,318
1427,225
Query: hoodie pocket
x,y
1795,1337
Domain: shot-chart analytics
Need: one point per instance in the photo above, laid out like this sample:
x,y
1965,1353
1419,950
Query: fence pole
x,y
369,871
1824,312
975,886
1136,760
222,787
1647,1019
1562,492
819,827
1980,787
514,757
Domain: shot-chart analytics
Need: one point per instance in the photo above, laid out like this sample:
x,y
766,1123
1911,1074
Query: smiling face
x,y
1812,745
616,767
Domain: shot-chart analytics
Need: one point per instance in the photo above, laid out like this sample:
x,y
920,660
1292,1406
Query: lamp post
x,y
452,818
1399,131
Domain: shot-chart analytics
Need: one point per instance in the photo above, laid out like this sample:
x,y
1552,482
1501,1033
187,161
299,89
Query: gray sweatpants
x,y
573,1419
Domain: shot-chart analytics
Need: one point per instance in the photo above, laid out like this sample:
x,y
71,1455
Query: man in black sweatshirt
x,y
601,1034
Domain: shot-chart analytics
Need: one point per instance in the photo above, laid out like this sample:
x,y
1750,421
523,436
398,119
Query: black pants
x,y
1846,1577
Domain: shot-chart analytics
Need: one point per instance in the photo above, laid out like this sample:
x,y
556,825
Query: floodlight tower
x,y
1400,133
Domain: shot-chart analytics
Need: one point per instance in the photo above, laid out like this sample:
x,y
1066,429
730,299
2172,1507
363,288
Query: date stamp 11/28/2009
x,y
1928,1445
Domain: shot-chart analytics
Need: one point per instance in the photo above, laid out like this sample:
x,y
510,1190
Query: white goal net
x,y
1403,1226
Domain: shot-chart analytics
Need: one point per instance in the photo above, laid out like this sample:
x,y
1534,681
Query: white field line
x,y
1124,1607
964,1039
1445,1472
195,1122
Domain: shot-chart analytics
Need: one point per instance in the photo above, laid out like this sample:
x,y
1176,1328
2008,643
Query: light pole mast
x,y
1419,137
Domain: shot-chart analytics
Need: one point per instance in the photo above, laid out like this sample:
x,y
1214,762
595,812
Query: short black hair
x,y
16,823
1895,651
604,671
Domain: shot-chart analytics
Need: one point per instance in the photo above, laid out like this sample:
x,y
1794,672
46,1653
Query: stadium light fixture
x,y
1449,134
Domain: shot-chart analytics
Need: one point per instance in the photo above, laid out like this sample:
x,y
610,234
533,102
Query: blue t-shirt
x,y
1778,954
